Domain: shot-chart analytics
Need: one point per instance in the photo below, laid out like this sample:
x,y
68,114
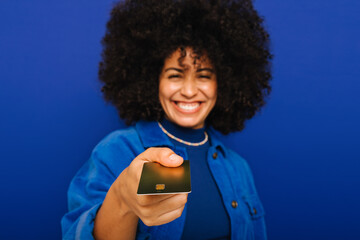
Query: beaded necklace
x,y
182,141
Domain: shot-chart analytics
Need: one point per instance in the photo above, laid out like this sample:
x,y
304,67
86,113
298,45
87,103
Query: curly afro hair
x,y
141,34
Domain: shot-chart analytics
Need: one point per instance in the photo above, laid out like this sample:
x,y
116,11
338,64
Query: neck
x,y
186,134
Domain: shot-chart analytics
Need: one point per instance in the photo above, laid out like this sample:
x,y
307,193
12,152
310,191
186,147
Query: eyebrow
x,y
176,69
198,70
205,69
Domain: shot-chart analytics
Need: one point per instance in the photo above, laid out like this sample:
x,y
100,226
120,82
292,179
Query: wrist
x,y
115,220
118,202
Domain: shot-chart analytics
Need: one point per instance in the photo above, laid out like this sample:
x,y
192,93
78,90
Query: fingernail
x,y
175,158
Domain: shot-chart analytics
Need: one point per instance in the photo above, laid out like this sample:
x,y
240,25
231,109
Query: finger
x,y
164,156
164,218
170,204
149,200
155,210
163,201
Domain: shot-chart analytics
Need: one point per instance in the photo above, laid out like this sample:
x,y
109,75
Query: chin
x,y
189,124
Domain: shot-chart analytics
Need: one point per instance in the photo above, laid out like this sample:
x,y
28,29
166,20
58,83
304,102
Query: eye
x,y
174,76
205,76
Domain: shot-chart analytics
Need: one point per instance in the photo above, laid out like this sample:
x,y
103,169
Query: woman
x,y
180,70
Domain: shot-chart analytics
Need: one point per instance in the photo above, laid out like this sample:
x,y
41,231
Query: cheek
x,y
164,96
166,91
211,91
162,92
214,93
162,99
215,90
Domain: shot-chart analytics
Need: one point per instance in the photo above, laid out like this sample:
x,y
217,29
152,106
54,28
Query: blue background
x,y
302,147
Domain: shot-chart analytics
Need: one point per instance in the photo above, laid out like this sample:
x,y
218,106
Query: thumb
x,y
164,156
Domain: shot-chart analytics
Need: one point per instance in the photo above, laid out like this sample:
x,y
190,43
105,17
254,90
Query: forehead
x,y
187,59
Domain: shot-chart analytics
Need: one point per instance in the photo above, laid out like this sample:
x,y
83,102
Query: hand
x,y
151,209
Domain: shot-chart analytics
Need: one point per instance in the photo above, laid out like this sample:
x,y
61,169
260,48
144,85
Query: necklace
x,y
182,141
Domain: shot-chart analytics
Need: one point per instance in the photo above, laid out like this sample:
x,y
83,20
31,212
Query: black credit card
x,y
157,179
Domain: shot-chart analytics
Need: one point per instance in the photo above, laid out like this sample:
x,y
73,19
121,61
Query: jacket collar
x,y
215,140
152,136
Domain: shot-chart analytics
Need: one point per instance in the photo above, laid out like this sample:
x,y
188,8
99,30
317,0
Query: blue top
x,y
116,151
206,216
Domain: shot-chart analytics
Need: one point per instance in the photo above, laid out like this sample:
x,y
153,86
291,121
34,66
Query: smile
x,y
188,107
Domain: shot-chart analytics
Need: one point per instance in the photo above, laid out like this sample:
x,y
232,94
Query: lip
x,y
187,111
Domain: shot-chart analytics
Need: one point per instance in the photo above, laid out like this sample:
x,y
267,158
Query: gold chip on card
x,y
160,187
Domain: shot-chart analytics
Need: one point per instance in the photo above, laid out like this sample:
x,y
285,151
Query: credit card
x,y
157,179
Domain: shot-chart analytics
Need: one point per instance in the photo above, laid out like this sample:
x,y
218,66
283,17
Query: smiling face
x,y
188,92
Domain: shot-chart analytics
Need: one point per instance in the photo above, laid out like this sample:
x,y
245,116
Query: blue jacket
x,y
116,151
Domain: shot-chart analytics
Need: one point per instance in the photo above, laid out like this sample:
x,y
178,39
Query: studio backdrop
x,y
302,147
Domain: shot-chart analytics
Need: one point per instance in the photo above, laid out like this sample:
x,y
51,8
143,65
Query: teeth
x,y
188,106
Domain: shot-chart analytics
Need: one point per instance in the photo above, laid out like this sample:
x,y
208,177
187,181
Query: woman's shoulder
x,y
232,157
119,135
217,141
121,142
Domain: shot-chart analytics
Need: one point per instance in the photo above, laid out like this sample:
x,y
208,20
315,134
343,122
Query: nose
x,y
189,88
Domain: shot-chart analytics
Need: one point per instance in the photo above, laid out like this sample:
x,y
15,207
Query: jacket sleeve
x,y
260,229
91,183
85,195
256,209
246,188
